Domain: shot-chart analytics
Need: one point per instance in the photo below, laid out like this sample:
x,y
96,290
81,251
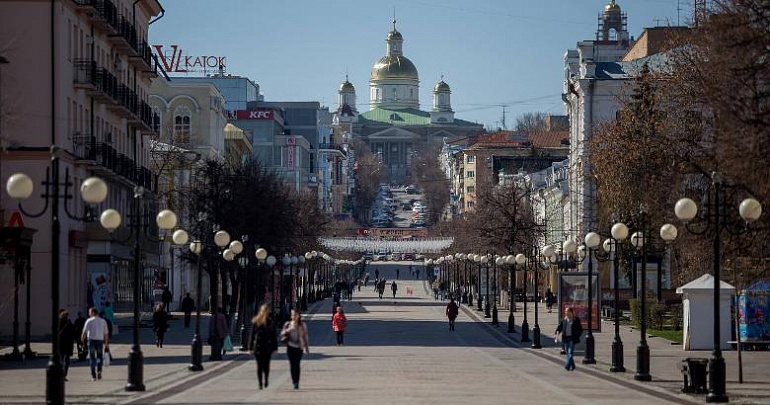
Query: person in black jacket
x,y
571,329
66,339
159,324
188,305
263,343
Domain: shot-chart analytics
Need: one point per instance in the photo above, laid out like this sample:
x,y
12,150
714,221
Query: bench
x,y
751,344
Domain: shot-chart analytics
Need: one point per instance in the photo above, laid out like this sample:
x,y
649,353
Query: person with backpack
x,y
339,323
263,343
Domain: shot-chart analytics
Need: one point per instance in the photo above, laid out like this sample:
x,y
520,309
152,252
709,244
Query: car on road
x,y
408,256
380,256
411,189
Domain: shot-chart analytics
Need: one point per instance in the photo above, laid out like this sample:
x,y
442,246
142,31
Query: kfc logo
x,y
254,114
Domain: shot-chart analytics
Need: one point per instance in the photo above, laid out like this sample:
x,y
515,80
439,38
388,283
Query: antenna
x,y
502,120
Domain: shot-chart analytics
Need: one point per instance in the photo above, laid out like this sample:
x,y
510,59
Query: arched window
x,y
394,94
182,125
411,94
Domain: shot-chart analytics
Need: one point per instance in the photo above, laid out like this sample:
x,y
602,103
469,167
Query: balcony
x,y
127,103
84,6
125,38
84,146
149,120
143,59
105,17
98,82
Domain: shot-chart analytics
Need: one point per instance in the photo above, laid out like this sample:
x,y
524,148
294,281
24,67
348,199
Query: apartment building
x,y
74,104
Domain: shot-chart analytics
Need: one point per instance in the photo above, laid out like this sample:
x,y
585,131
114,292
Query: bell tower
x,y
613,25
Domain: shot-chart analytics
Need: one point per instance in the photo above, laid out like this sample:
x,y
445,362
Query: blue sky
x,y
492,53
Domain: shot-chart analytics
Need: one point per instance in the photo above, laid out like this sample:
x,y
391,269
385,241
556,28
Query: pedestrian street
x,y
400,350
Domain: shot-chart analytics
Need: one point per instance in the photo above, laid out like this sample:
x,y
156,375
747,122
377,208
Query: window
x,y
471,159
470,173
471,189
182,125
394,94
470,204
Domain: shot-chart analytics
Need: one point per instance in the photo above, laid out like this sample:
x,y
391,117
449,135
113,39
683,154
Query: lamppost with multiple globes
x,y
495,261
716,219
590,250
619,233
93,191
545,253
511,260
521,260
111,220
640,242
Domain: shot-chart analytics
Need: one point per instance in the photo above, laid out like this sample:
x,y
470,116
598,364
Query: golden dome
x,y
347,86
394,66
441,86
612,7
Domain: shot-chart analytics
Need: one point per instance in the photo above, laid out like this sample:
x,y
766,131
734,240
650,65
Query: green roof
x,y
403,117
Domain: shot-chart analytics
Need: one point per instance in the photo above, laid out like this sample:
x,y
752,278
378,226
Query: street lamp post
x,y
270,262
511,260
464,275
619,233
521,260
469,268
110,220
592,241
495,262
480,297
716,215
485,263
536,344
243,261
94,191
196,353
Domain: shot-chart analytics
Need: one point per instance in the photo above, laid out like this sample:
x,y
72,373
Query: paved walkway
x,y
396,351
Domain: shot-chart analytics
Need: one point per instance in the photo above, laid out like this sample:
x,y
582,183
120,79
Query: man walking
x,y
188,305
394,288
96,333
166,297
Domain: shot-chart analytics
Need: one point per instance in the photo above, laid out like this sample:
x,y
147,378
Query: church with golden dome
x,y
394,127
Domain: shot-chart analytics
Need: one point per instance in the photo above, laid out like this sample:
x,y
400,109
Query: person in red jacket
x,y
339,322
451,312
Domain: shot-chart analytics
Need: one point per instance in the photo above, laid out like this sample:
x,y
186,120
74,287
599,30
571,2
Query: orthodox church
x,y
394,128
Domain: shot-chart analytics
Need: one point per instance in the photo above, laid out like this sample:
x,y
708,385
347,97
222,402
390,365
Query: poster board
x,y
573,292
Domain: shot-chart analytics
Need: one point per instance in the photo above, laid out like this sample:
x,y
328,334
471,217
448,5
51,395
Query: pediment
x,y
393,133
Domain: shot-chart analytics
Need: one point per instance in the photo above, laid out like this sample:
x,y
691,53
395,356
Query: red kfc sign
x,y
254,114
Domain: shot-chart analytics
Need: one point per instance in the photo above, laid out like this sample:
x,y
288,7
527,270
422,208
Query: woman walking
x,y
294,334
263,343
571,329
339,323
159,324
66,339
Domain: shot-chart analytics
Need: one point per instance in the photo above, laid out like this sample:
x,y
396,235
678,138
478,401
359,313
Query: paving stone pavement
x,y
396,350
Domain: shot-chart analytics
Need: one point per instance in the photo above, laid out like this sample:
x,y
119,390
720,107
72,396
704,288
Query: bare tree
x,y
531,122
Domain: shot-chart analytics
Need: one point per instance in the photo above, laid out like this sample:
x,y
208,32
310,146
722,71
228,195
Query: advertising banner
x,y
573,293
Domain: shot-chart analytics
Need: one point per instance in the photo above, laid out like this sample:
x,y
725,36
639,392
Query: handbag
x,y
228,344
285,336
106,358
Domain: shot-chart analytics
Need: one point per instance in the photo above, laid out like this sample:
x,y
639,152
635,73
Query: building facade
x,y
76,85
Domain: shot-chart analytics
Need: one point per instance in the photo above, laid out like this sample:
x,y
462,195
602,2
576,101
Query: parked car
x,y
411,189
408,256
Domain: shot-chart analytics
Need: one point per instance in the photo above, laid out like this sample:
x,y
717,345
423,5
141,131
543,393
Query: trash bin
x,y
694,371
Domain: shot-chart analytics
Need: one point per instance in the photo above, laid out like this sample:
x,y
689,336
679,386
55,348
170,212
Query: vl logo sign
x,y
174,60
